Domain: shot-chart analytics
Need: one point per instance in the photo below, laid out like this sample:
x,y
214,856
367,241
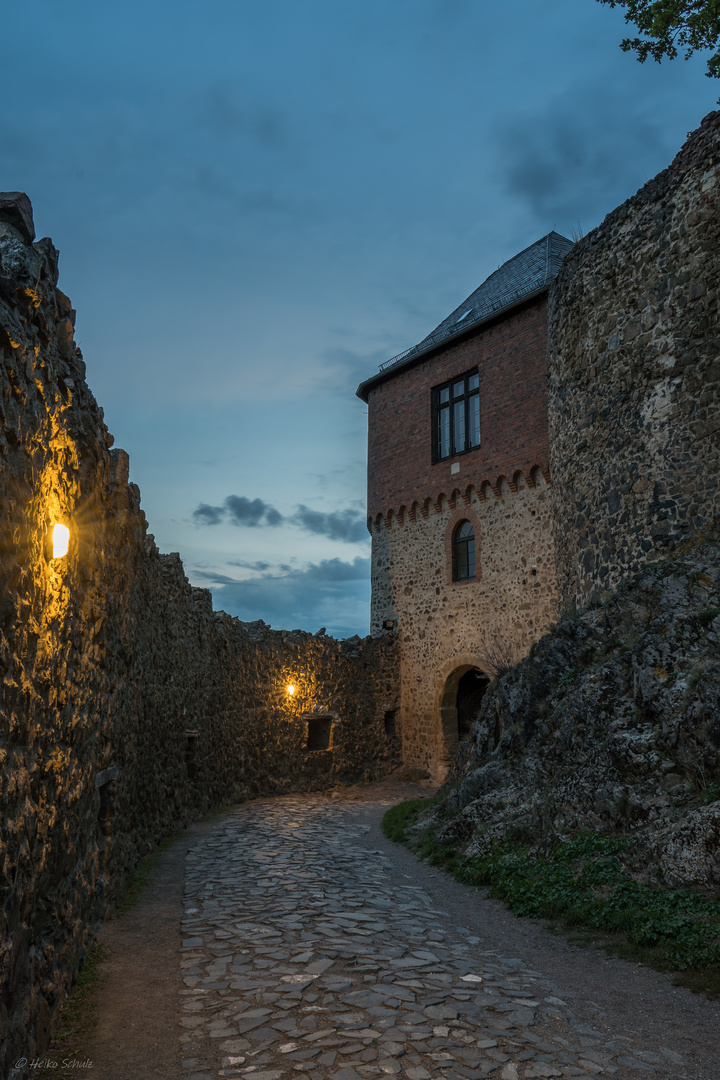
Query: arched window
x,y
463,552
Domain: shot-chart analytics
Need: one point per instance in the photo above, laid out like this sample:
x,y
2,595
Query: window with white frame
x,y
456,416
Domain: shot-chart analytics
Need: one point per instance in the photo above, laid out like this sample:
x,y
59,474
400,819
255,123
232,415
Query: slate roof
x,y
527,273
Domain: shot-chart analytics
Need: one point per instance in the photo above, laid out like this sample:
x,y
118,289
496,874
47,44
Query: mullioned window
x,y
456,415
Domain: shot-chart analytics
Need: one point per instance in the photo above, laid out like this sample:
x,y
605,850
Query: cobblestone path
x,y
305,955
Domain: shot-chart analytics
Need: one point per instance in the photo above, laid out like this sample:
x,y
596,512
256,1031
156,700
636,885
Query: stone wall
x,y
447,627
128,707
634,377
612,723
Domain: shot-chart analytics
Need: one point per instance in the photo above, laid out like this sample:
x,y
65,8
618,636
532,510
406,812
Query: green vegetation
x,y
693,25
131,897
403,816
711,793
75,1019
569,677
583,883
707,616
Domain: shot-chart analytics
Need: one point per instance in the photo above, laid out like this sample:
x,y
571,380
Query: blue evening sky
x,y
257,203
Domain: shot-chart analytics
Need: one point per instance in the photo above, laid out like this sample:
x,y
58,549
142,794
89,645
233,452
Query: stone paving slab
x,y
304,955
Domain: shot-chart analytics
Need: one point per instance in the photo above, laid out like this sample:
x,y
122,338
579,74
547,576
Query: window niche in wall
x,y
463,552
319,733
390,721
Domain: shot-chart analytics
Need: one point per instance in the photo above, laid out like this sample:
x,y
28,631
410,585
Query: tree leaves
x,y
671,25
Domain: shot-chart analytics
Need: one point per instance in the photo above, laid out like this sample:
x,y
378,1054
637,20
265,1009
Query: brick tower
x,y
463,564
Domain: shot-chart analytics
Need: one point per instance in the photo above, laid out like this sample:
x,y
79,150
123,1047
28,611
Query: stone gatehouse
x,y
463,559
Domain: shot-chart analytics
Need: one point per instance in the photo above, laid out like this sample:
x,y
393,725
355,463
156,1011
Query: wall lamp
x,y
291,689
60,541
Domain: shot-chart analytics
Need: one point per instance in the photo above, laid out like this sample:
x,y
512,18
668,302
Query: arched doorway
x,y
460,704
470,692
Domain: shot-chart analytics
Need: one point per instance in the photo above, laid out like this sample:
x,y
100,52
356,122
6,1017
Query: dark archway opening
x,y
470,692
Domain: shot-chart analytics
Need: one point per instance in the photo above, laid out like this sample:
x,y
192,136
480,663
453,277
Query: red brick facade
x,y
510,354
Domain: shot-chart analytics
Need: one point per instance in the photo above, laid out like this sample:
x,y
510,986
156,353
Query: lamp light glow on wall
x,y
60,541
291,689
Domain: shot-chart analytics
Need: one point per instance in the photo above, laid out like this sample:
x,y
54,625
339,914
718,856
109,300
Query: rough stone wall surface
x,y
612,723
127,706
634,376
510,355
447,627
382,608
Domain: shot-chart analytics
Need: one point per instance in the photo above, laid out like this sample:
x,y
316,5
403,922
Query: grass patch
x,y
582,884
132,895
76,1018
399,818
568,678
216,813
711,793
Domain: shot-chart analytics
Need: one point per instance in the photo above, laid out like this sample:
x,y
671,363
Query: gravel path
x,y
312,947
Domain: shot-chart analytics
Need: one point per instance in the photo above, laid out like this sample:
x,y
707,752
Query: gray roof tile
x,y
526,273
520,276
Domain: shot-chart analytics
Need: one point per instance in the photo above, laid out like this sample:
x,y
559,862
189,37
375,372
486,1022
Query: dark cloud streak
x,y
208,515
572,160
346,525
240,511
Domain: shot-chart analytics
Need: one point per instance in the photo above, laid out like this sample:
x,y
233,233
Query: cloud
x,y
332,593
334,570
208,515
240,511
218,579
570,160
347,525
244,511
222,111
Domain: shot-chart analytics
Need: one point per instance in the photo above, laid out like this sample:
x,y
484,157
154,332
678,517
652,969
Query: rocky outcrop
x,y
127,706
612,723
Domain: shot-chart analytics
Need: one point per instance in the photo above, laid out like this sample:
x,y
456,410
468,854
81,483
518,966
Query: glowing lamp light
x,y
60,541
291,689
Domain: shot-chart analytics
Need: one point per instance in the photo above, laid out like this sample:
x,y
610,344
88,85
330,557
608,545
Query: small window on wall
x,y
463,552
319,731
390,720
456,416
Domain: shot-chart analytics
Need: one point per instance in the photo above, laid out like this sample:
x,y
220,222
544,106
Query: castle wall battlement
x,y
484,490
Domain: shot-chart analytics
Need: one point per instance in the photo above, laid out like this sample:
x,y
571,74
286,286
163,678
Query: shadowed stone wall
x,y
634,376
127,706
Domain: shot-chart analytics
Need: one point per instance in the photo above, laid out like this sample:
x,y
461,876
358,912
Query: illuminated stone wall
x,y
128,707
446,627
